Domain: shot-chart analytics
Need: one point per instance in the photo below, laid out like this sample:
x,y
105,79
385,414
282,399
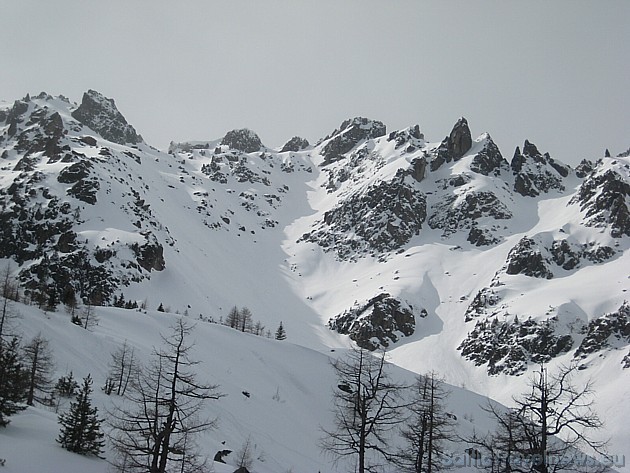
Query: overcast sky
x,y
554,72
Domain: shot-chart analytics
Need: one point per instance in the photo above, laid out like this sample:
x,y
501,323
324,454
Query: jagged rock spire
x,y
101,115
460,140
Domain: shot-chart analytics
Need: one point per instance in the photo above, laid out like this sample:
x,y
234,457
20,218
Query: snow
x,y
289,387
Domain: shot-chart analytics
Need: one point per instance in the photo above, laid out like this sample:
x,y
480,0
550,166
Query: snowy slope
x,y
289,386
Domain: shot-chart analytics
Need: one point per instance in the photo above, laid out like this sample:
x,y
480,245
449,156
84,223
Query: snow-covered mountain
x,y
445,253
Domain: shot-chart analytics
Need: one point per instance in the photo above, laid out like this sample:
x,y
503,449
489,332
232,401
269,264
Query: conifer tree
x,y
154,430
367,406
233,318
9,293
428,427
80,426
122,367
66,385
12,381
281,334
246,320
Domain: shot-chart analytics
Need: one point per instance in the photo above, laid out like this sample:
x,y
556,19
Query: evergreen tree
x,y
281,334
13,381
161,308
9,293
66,385
80,426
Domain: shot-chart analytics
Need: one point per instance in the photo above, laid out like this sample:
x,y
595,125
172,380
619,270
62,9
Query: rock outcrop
x,y
606,332
349,134
508,347
243,140
604,197
378,322
295,144
101,115
535,173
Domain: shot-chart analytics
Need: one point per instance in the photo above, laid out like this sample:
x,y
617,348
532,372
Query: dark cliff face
x,y
377,323
508,347
604,196
605,331
454,146
378,220
349,134
535,173
101,115
460,139
489,160
242,140
295,144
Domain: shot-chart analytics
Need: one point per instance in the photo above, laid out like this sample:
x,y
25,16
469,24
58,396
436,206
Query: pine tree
x,y
80,426
66,385
13,381
281,334
9,293
161,308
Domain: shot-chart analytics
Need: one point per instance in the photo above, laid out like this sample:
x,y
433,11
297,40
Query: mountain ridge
x,y
387,238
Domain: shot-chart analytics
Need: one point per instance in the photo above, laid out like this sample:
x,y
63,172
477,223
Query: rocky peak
x,y
454,146
349,134
536,173
489,160
460,140
411,137
243,139
14,116
295,144
529,149
584,168
101,115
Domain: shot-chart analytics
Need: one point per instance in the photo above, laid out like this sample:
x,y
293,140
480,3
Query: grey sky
x,y
556,73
